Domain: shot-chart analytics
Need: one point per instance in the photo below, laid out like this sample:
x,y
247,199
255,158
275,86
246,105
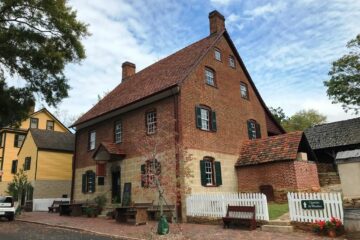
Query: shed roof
x,y
53,140
335,134
271,149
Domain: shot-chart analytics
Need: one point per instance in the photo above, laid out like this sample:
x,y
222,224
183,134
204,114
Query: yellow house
x,y
11,140
46,157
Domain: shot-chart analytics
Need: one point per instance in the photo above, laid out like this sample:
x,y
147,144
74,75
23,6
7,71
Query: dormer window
x,y
217,54
232,61
210,76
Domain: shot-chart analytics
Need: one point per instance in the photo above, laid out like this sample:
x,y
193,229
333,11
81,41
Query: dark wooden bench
x,y
73,209
168,211
55,207
136,213
242,214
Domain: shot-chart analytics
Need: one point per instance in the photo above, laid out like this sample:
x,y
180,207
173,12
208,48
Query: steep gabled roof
x,y
335,134
159,76
272,149
52,140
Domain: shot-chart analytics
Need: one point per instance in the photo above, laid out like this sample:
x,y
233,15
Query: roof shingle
x,y
334,134
277,148
52,140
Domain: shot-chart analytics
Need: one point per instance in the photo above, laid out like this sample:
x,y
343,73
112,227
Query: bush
x,y
323,227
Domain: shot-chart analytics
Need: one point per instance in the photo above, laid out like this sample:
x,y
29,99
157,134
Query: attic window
x,y
244,90
232,61
50,125
217,54
34,122
254,131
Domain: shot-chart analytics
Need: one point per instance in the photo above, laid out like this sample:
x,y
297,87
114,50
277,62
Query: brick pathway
x,y
178,231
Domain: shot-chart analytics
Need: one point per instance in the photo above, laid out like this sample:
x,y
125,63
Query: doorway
x,y
115,186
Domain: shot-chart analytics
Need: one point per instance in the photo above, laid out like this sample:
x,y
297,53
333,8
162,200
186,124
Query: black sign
x,y
312,204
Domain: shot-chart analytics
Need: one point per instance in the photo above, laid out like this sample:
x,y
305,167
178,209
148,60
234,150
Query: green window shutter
x,y
142,168
202,172
213,121
258,130
83,186
218,178
91,179
249,129
198,116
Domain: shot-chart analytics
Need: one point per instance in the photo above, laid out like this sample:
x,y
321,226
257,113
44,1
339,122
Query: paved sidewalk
x,y
148,231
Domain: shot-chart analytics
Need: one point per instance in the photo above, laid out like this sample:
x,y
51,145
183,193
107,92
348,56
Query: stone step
x,y
276,228
279,223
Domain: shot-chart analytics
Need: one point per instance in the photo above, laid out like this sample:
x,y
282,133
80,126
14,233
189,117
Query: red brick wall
x,y
289,175
232,111
133,130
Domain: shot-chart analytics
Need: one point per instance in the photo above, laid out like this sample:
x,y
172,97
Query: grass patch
x,y
277,209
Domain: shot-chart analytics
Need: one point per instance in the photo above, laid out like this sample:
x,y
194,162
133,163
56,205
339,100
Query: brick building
x,y
207,91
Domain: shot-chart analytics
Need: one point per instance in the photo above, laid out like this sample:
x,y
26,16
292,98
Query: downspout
x,y
177,157
73,170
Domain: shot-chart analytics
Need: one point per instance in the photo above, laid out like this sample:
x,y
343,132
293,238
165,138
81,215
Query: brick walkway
x,y
178,231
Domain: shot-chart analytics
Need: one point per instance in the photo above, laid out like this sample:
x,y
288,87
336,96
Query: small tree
x,y
19,186
303,119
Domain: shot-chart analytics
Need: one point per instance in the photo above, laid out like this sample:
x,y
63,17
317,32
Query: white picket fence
x,y
332,207
215,204
43,203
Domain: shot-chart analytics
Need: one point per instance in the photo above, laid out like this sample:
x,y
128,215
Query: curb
x,y
79,230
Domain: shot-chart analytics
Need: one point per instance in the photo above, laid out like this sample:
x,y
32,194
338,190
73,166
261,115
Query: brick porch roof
x,y
277,148
159,76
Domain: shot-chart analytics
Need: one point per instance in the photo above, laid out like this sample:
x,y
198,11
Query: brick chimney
x,y
128,69
217,22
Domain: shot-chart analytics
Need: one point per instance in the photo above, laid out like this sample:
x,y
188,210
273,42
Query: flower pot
x,y
332,233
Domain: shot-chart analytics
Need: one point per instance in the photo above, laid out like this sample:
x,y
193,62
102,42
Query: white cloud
x,y
221,2
265,9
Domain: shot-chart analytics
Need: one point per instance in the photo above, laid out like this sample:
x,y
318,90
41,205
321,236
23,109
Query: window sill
x,y
210,186
214,86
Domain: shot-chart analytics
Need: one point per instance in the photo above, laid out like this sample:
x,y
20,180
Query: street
x,y
17,230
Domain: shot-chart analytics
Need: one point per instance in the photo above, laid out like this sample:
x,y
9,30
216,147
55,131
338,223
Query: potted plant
x,y
100,202
90,211
332,228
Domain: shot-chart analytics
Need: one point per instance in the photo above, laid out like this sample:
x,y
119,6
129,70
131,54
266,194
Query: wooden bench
x,y
55,207
240,214
136,213
168,211
73,209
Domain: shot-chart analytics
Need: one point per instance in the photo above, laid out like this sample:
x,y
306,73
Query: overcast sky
x,y
287,46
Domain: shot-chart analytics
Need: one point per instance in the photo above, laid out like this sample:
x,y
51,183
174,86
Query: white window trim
x,y
244,91
209,173
217,54
92,140
253,129
151,120
205,119
118,132
210,77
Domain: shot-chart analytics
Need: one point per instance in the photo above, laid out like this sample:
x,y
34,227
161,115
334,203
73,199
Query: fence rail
x,y
332,207
215,204
43,204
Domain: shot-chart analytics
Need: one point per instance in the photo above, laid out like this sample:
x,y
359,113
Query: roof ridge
x,y
329,123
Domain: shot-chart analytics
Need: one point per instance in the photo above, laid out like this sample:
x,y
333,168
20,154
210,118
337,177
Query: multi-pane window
x,y
18,140
210,171
149,173
34,122
50,125
27,163
118,131
205,118
244,90
14,166
88,182
217,54
151,122
254,131
210,76
92,140
232,61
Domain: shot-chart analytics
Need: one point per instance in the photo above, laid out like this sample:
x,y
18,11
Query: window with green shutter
x,y
88,182
210,172
205,118
254,130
